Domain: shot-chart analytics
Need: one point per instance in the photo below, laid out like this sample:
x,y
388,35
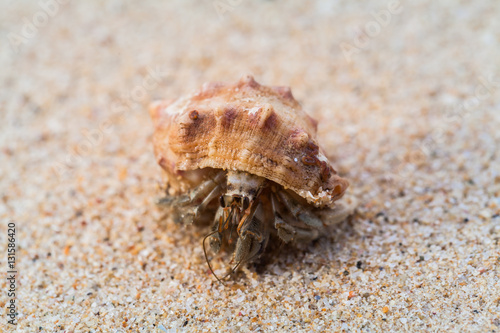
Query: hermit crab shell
x,y
244,127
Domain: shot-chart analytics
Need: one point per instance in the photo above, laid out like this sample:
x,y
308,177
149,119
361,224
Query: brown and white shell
x,y
244,127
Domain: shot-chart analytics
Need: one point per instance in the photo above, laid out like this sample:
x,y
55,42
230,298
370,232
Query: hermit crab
x,y
245,158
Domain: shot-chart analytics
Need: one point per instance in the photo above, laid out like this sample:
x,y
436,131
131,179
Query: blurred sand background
x,y
408,99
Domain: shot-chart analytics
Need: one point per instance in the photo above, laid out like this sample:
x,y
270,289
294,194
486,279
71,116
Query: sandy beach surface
x,y
407,95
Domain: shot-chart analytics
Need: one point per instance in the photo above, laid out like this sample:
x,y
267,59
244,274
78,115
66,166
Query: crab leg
x,y
299,211
217,190
286,232
251,238
196,194
187,207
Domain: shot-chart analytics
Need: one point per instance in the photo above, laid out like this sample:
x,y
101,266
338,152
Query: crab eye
x,y
246,203
222,202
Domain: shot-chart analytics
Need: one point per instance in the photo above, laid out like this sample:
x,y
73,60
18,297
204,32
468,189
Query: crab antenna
x,y
234,218
249,215
231,271
227,220
206,257
235,267
231,216
238,264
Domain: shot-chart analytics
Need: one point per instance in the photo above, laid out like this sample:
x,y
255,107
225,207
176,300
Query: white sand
x,y
421,254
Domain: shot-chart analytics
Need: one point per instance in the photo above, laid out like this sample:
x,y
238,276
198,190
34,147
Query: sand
x,y
408,101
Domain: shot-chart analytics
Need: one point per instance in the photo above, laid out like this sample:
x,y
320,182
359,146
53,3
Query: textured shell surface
x,y
245,126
